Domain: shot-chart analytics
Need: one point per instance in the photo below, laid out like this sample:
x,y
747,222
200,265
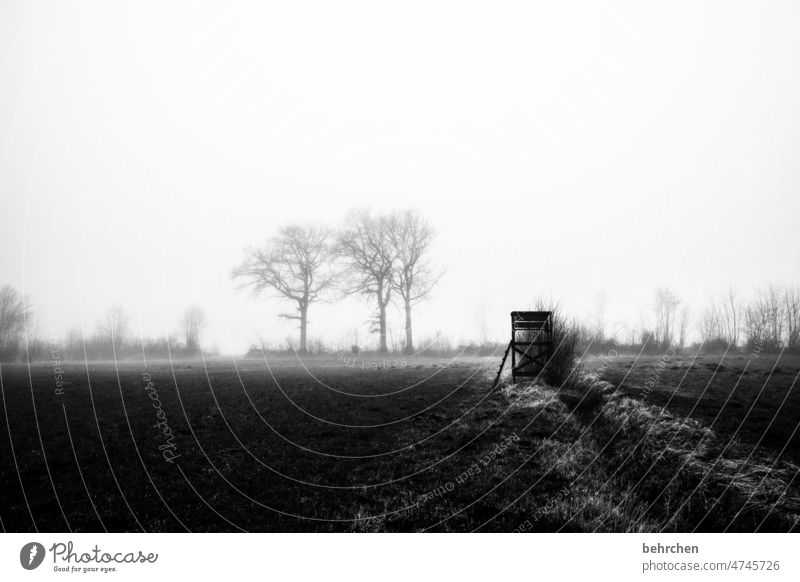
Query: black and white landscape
x,y
258,265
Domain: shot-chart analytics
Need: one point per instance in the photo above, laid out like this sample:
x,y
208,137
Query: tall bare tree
x,y
773,318
296,265
771,299
411,237
722,320
791,300
366,245
113,327
665,309
711,324
601,306
14,312
193,323
731,316
683,327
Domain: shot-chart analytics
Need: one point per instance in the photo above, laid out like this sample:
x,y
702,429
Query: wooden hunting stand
x,y
531,344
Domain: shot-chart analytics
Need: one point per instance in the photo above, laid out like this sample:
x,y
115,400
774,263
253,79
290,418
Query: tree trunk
x,y
409,336
303,325
382,348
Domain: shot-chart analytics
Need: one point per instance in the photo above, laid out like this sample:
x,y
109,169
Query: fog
x,y
569,149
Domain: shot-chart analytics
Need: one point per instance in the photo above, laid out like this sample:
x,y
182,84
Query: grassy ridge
x,y
636,467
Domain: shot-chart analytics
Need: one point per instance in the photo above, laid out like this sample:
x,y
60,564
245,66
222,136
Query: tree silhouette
x,y
366,245
411,238
296,265
192,324
14,312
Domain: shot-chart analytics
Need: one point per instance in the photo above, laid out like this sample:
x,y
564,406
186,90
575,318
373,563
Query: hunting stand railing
x,y
531,344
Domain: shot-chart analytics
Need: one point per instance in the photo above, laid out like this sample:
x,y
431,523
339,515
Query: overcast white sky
x,y
559,148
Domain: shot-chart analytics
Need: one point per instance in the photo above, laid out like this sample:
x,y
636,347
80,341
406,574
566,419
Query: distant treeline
x,y
768,321
20,340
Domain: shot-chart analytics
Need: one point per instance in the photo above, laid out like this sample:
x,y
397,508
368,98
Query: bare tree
x,y
791,301
757,320
296,265
601,306
771,300
630,334
366,245
722,320
766,318
483,326
644,329
193,323
113,327
14,313
731,317
411,237
711,324
665,309
683,326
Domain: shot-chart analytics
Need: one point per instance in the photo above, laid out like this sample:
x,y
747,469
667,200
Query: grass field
x,y
318,445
